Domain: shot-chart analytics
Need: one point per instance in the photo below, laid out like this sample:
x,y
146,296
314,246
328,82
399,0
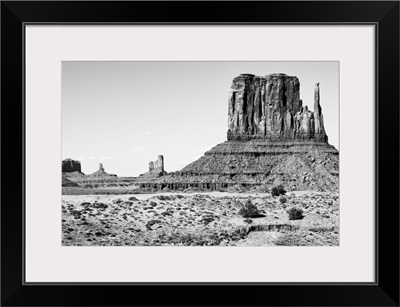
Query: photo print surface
x,y
200,153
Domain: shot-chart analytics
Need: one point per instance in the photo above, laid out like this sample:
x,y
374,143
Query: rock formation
x,y
272,139
159,164
101,173
69,165
270,108
156,168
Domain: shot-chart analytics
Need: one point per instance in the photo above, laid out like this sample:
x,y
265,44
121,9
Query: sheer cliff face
x,y
270,108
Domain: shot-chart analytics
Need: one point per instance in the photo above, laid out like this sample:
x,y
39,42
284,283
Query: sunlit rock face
x,y
270,108
159,164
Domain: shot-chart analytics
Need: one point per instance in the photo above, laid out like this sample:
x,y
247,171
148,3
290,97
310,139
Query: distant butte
x,y
156,168
68,165
101,173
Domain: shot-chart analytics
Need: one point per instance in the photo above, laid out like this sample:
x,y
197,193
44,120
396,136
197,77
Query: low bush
x,y
282,200
249,210
295,213
278,190
248,221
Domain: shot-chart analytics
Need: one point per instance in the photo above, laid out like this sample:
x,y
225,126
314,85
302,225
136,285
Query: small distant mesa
x,y
69,165
72,167
101,172
156,168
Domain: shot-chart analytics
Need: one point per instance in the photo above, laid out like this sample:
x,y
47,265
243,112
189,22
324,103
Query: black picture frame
x,y
383,14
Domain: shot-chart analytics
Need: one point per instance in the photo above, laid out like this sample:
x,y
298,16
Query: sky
x,y
125,114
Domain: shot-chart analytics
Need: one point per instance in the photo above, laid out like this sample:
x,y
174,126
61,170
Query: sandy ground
x,y
209,218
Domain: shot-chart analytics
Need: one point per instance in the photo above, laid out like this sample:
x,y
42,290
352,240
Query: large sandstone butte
x,y
68,165
271,139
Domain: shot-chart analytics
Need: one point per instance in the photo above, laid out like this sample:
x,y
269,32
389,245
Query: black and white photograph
x,y
235,146
200,153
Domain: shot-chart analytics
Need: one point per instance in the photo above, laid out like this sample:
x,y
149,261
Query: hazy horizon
x,y
125,114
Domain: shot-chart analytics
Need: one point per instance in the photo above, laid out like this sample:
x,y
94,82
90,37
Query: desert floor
x,y
209,218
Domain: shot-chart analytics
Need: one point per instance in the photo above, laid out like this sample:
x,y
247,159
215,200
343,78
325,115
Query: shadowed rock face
x,y
270,108
69,165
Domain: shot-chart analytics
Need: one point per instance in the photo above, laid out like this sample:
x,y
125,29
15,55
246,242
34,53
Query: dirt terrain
x,y
203,219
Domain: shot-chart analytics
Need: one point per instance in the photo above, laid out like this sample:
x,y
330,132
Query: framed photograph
x,y
241,151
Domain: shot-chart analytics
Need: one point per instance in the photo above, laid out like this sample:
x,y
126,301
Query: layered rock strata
x,y
271,139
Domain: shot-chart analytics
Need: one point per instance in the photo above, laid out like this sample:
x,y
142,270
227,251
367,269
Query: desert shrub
x,y
207,219
249,210
282,200
278,190
99,205
248,221
162,197
295,214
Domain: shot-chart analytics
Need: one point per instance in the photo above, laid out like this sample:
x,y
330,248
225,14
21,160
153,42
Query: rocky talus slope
x,y
312,170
